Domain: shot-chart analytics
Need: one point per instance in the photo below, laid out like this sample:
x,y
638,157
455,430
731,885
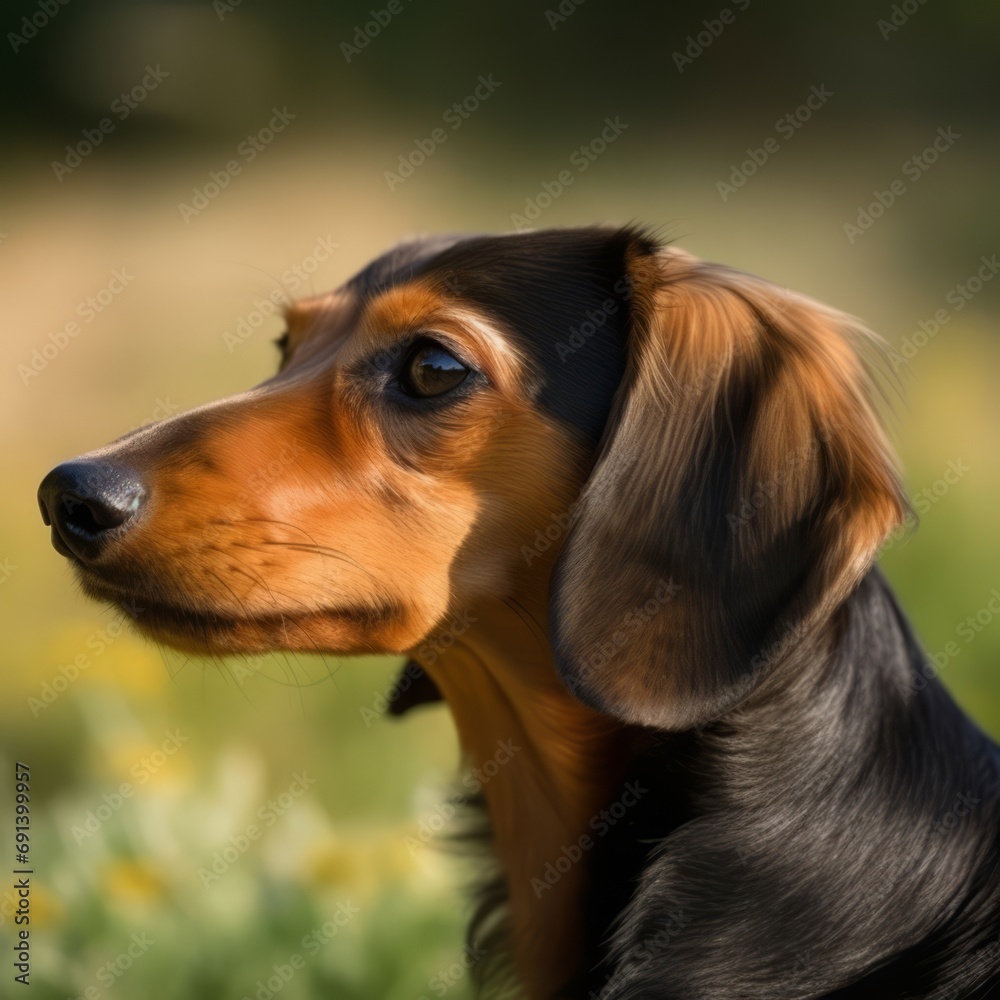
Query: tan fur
x,y
502,687
285,515
304,515
708,339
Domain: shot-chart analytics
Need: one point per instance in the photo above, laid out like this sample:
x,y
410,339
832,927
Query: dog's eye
x,y
430,370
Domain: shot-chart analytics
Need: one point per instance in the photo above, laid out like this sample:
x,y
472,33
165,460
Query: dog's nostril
x,y
91,515
83,502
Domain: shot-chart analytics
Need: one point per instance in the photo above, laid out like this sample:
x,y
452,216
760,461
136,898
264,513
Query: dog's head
x,y
686,457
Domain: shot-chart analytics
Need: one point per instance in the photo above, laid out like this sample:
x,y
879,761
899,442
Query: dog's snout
x,y
85,502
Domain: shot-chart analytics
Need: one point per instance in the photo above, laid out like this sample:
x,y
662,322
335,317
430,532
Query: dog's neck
x,y
774,779
822,814
547,764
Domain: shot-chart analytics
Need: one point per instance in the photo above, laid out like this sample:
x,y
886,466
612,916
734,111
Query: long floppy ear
x,y
743,488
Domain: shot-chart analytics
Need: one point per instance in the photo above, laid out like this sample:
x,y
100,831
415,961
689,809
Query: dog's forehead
x,y
561,294
403,262
553,260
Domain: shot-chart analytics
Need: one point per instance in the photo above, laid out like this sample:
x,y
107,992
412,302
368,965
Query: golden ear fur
x,y
743,488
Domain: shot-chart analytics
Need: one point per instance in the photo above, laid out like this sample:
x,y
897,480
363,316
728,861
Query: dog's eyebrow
x,y
564,297
561,295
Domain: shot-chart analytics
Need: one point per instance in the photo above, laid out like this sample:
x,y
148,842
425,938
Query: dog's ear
x,y
743,487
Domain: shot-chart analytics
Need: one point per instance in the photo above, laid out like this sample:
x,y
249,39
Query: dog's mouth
x,y
191,628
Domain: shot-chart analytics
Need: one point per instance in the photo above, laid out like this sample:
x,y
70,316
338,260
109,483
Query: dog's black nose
x,y
84,502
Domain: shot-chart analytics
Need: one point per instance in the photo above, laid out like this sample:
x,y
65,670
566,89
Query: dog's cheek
x,y
526,483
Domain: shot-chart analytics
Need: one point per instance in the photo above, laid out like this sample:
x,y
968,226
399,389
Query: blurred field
x,y
246,730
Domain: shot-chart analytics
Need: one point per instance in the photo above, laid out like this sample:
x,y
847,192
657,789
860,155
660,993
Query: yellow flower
x,y
336,861
46,907
135,882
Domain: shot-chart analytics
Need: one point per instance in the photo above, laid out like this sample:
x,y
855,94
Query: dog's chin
x,y
183,625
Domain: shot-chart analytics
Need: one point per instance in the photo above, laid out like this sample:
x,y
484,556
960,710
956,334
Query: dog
x,y
652,489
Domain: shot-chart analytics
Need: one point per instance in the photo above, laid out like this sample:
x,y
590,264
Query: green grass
x,y
161,344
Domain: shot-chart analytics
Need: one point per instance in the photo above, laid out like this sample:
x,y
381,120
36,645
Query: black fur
x,y
552,289
413,687
834,835
837,836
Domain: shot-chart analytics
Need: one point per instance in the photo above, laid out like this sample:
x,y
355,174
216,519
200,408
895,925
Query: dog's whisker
x,y
713,758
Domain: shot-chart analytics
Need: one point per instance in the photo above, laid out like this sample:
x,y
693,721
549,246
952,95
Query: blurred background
x,y
170,170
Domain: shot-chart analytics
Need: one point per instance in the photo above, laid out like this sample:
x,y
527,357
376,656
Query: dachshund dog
x,y
652,490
